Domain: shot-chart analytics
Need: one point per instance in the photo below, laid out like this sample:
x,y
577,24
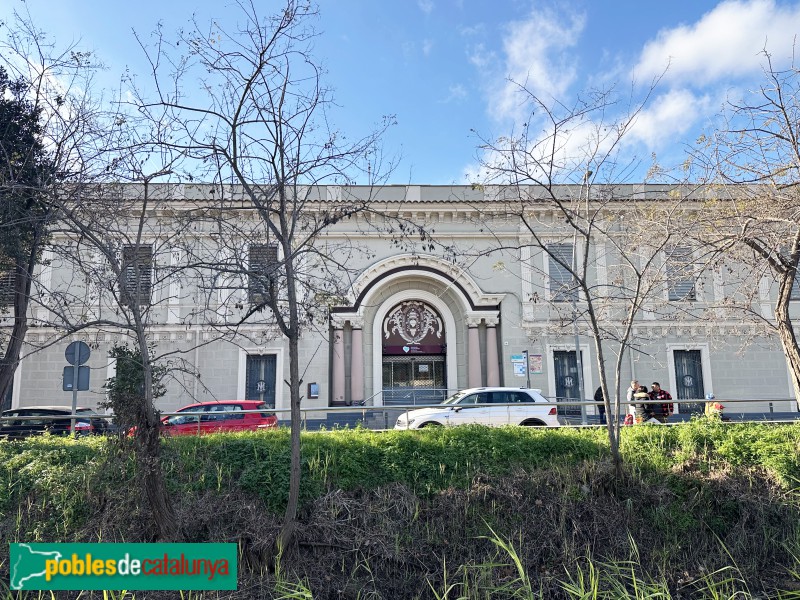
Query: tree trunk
x,y
290,516
786,332
22,294
148,458
286,536
612,419
148,451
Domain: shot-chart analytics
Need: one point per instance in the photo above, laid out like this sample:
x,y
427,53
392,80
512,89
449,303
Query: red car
x,y
217,416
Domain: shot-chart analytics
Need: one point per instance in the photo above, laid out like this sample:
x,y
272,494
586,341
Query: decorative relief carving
x,y
413,321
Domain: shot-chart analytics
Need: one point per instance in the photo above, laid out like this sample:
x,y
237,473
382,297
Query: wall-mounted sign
x,y
535,363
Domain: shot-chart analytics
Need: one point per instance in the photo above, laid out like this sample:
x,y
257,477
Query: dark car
x,y
35,420
219,416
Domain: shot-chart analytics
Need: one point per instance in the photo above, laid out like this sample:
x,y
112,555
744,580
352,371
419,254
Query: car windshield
x,y
455,398
183,419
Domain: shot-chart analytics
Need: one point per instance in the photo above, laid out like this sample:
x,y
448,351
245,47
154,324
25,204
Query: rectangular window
x,y
562,284
7,288
680,274
263,262
137,274
795,288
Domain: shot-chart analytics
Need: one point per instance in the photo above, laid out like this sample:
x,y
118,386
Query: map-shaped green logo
x,y
28,565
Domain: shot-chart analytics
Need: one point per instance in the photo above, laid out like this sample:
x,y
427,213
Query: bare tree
x,y
752,164
256,125
559,178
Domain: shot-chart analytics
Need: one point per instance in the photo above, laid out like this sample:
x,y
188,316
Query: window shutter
x,y
263,262
7,280
680,279
137,273
562,284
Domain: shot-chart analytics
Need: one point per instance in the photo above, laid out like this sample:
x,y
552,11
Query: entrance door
x,y
689,380
260,378
565,366
414,379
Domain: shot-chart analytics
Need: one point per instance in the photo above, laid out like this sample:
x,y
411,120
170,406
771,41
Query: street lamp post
x,y
527,370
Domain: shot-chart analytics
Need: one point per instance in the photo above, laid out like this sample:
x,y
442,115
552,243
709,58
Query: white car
x,y
492,406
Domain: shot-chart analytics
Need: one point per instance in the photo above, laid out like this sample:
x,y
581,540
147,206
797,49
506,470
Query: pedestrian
x,y
663,411
630,409
601,404
714,409
641,407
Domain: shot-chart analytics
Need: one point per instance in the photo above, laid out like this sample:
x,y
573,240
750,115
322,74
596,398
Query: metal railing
x,y
385,417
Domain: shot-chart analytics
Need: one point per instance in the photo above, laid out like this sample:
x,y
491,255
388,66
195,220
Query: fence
x,y
385,417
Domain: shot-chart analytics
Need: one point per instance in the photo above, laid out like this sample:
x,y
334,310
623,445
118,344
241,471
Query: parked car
x,y
218,416
504,406
50,419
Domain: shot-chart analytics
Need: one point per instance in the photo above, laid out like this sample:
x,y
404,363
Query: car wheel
x,y
532,423
430,424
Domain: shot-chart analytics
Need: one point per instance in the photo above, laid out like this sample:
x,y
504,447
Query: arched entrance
x,y
442,291
414,351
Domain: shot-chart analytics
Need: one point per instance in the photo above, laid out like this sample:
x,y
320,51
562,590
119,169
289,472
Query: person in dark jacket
x,y
641,408
601,405
661,411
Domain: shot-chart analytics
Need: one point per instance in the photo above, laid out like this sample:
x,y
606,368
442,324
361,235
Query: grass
x,y
705,510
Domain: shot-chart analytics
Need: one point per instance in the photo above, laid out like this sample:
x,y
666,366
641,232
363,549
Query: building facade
x,y
479,304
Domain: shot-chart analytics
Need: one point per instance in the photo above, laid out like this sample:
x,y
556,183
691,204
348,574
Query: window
x,y
680,275
222,412
137,273
260,378
795,288
7,280
562,284
263,261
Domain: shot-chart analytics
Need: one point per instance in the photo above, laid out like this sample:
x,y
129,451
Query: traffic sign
x,y
77,353
69,379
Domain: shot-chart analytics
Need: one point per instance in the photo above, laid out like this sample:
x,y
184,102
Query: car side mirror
x,y
457,408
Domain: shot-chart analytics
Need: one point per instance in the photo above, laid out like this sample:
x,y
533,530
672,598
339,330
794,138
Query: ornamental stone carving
x,y
413,321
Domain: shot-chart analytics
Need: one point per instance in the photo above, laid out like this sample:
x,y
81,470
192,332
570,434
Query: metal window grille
x,y
680,277
562,283
7,281
137,274
260,378
263,262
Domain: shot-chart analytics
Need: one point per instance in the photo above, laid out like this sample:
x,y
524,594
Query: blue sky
x,y
441,66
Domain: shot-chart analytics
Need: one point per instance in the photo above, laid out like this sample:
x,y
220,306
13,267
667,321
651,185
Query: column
x,y
337,385
492,362
357,364
474,375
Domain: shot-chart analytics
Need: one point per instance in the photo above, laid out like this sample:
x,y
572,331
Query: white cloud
x,y
537,54
427,46
668,117
455,92
426,6
726,42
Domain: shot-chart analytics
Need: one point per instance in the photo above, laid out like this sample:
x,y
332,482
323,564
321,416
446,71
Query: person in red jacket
x,y
661,411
